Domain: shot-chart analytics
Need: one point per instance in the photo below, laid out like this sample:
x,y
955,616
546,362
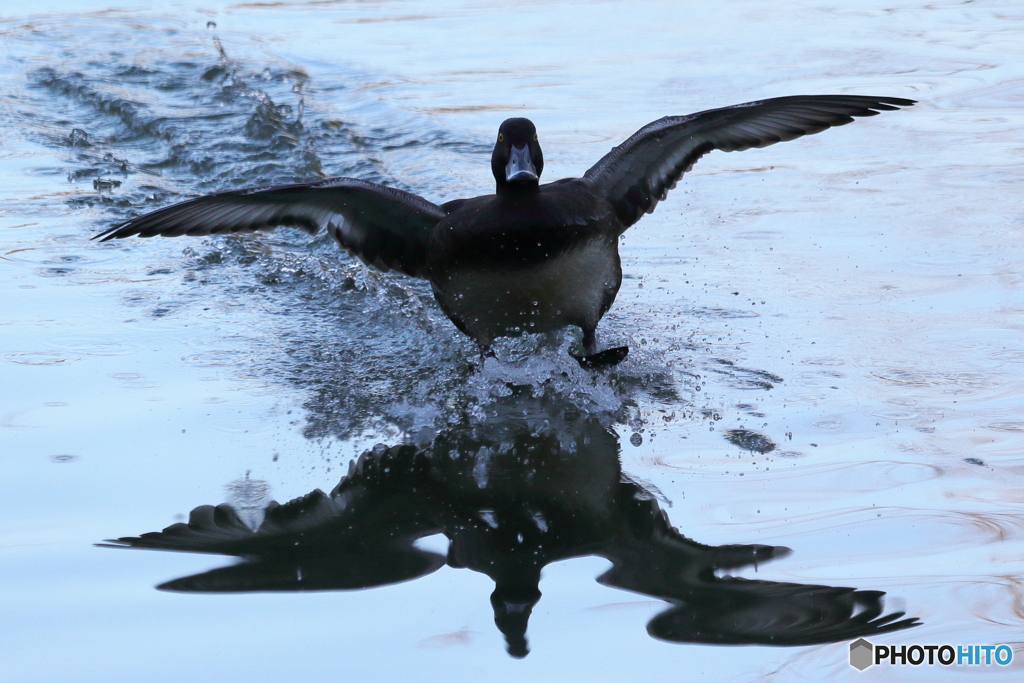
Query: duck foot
x,y
485,353
602,359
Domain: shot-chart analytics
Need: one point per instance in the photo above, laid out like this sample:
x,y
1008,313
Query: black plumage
x,y
530,257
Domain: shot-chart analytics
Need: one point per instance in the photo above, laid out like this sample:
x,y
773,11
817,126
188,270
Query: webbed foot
x,y
485,352
602,359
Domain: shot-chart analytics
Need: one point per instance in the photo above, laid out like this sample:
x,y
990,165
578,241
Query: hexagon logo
x,y
862,654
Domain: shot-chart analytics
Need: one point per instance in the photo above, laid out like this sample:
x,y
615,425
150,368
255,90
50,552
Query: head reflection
x,y
512,496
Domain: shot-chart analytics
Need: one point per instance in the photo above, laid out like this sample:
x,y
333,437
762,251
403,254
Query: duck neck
x,y
517,189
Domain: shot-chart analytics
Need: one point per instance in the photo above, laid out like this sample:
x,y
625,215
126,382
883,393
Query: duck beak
x,y
520,166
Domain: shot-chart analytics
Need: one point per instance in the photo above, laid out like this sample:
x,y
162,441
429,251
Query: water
x,y
822,388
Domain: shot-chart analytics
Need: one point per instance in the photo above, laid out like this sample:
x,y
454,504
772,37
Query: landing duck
x,y
530,257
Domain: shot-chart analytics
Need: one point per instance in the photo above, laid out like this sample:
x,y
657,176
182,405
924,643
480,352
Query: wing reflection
x,y
512,498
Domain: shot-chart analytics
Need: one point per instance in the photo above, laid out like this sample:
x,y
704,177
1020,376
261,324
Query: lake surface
x,y
817,435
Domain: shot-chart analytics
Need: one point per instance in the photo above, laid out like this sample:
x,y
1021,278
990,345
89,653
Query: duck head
x,y
517,161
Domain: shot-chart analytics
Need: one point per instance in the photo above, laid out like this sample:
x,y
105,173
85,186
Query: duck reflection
x,y
513,496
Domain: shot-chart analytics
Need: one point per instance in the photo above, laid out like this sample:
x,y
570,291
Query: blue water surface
x,y
816,436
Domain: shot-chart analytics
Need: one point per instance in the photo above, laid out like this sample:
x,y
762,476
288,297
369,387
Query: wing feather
x,y
383,226
638,174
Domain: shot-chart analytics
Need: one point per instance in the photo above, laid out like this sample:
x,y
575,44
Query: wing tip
x,y
897,101
116,232
890,103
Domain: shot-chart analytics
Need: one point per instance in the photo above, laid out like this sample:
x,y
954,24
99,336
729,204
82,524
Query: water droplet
x,y
78,138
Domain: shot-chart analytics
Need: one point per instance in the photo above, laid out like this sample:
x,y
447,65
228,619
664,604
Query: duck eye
x,y
535,137
501,138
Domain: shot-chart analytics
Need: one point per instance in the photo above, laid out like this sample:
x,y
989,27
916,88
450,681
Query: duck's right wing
x,y
638,174
384,227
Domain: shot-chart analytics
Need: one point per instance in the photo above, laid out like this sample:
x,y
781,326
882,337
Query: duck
x,y
531,257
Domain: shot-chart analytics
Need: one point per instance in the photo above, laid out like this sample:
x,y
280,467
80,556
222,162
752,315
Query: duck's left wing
x,y
638,174
384,227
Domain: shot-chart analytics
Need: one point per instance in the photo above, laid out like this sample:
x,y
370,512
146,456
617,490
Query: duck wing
x,y
638,174
384,227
